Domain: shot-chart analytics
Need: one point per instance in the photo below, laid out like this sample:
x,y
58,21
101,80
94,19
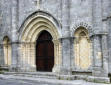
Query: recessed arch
x,y
7,50
79,30
32,28
32,20
82,49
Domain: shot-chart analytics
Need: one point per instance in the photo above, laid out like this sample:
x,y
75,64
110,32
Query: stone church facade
x,y
69,37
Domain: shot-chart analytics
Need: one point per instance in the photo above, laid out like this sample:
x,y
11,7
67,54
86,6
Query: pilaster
x,y
72,53
66,18
97,15
14,64
105,55
2,60
97,55
97,50
65,40
14,35
66,56
105,15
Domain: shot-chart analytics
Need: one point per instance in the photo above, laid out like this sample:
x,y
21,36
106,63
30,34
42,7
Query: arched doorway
x,y
30,31
44,52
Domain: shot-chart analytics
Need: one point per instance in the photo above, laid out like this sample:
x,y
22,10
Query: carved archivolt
x,y
35,27
31,32
82,24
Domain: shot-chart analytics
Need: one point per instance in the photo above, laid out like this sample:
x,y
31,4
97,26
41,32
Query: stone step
x,y
40,80
48,75
4,68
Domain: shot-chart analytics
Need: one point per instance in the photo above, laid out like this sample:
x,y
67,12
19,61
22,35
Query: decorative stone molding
x,y
84,25
30,33
43,14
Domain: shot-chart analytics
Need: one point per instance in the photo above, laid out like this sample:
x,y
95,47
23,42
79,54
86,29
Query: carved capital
x,y
56,42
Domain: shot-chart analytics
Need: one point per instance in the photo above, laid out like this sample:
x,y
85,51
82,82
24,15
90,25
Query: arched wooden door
x,y
44,52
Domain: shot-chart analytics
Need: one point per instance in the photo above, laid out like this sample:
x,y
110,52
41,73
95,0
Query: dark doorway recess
x,y
44,52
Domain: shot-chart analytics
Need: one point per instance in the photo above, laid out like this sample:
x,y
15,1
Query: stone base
x,y
57,69
26,69
4,68
85,77
61,70
13,68
98,72
98,79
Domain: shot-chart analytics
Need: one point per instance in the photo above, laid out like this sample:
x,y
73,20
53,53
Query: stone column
x,y
2,60
97,24
20,52
66,56
21,62
105,9
72,53
65,18
105,55
14,64
97,56
56,56
105,48
105,29
14,36
97,16
66,59
33,56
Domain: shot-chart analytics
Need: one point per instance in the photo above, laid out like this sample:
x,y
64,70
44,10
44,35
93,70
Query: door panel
x,y
44,52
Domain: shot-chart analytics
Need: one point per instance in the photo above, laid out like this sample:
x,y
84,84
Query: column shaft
x,y
14,35
105,55
97,55
66,56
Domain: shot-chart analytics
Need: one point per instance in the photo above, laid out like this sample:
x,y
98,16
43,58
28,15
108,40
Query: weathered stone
x,y
80,30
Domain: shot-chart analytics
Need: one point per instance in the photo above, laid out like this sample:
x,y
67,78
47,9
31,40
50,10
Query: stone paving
x,y
17,80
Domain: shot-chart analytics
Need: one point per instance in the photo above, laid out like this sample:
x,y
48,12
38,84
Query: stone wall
x,y
60,18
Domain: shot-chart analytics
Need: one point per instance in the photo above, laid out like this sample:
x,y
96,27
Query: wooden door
x,y
44,52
